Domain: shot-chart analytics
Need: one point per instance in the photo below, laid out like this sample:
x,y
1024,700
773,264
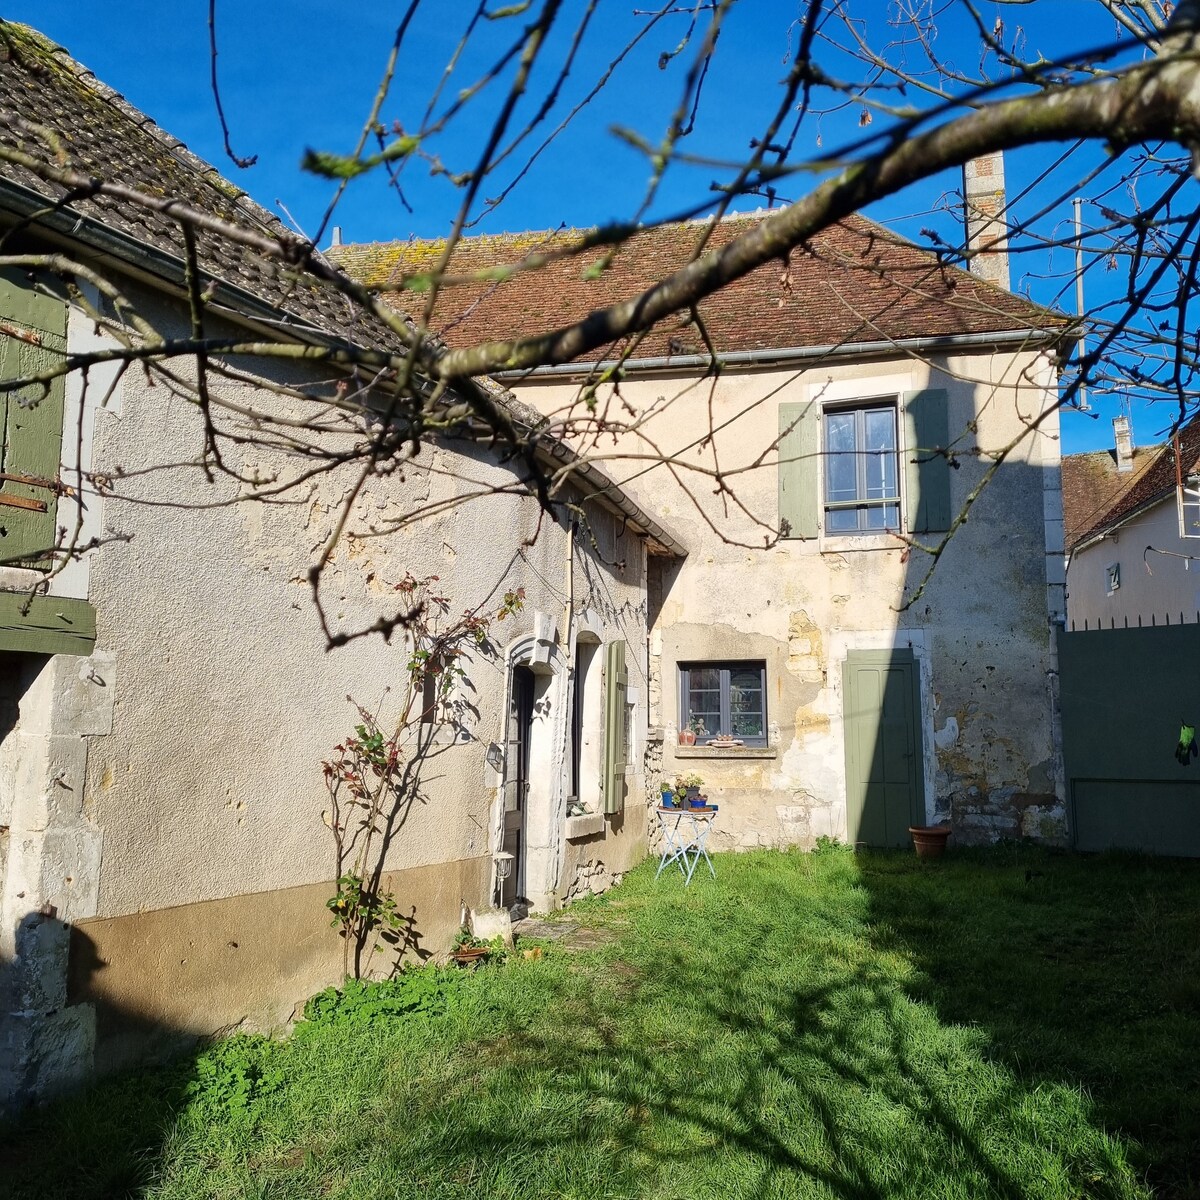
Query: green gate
x,y
1124,694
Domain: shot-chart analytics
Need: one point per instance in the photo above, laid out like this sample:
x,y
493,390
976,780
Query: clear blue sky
x,y
303,73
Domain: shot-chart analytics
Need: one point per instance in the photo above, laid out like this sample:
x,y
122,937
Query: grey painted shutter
x,y
32,421
927,476
616,752
799,483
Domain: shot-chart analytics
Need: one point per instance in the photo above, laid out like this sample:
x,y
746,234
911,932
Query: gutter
x,y
793,354
152,264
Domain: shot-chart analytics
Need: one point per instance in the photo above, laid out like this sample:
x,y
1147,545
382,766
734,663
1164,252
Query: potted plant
x,y
929,840
468,949
687,789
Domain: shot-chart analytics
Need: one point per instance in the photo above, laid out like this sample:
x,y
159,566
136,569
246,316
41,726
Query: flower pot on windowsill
x,y
929,840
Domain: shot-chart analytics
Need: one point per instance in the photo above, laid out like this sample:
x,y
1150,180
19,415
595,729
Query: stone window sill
x,y
726,752
844,543
586,826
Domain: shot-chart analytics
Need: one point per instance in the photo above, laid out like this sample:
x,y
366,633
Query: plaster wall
x,y
980,627
1151,585
164,797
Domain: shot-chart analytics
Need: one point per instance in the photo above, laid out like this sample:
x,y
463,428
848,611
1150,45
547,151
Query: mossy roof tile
x,y
44,91
854,282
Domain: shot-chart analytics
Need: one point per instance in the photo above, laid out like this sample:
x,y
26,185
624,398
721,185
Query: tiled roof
x,y
1098,498
854,282
43,89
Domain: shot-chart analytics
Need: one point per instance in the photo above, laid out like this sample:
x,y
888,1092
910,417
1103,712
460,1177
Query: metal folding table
x,y
685,835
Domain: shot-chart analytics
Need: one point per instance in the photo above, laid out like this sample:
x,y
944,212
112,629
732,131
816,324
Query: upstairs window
x,y
840,464
724,697
862,478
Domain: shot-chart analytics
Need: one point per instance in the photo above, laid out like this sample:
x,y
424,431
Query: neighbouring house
x,y
866,390
167,691
1133,531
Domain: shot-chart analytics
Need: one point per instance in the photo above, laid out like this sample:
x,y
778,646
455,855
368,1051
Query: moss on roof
x,y
53,108
853,282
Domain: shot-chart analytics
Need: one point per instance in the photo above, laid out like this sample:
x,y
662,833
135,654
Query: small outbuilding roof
x,y
54,111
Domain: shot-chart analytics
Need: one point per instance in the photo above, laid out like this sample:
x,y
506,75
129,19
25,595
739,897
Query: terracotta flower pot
x,y
929,840
469,955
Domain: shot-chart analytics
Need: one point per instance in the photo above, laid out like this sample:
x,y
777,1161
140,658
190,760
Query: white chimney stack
x,y
987,229
1123,435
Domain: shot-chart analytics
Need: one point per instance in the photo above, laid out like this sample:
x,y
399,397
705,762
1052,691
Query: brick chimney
x,y
1123,435
983,215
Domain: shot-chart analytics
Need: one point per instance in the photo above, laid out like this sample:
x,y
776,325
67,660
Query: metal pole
x,y
1081,345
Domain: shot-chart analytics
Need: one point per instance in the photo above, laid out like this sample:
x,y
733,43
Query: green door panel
x,y
799,487
885,774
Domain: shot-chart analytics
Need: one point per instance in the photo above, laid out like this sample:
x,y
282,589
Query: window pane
x,y
841,473
724,698
746,702
880,462
863,465
747,725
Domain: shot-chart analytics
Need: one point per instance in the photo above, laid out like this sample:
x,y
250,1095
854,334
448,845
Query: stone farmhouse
x,y
866,392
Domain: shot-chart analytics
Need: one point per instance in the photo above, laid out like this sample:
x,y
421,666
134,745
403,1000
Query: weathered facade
x,y
167,692
864,696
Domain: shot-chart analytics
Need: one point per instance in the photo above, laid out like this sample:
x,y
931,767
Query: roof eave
x,y
151,264
1098,535
1029,338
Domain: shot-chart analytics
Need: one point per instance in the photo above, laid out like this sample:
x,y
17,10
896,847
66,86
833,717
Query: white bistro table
x,y
685,834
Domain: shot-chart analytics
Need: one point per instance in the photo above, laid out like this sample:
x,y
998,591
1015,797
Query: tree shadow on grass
x,y
1081,971
769,1058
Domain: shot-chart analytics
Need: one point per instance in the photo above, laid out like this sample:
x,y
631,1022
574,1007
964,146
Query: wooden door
x,y
885,775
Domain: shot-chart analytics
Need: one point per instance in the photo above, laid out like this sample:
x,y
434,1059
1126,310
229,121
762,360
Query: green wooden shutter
x,y
616,752
33,337
799,485
927,476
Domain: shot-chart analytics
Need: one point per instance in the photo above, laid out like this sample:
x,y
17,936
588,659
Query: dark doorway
x,y
516,783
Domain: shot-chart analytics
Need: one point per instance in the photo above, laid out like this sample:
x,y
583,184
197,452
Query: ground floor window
x,y
724,698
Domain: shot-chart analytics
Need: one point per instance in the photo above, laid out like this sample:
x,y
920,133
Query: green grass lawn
x,y
1003,1024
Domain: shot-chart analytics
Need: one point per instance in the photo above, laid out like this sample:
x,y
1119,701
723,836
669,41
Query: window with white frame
x,y
727,698
862,475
